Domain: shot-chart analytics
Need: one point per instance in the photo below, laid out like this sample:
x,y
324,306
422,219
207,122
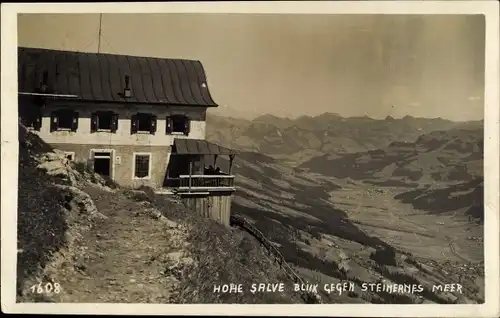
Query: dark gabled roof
x,y
185,146
101,77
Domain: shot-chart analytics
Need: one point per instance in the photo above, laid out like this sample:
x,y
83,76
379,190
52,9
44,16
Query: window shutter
x,y
54,121
187,125
74,126
114,122
133,124
94,122
154,119
169,125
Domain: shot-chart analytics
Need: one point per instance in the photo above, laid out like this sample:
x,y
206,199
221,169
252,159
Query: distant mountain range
x,y
301,139
227,111
444,168
437,157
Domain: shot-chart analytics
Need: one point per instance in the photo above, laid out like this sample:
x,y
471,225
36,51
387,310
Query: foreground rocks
x,y
56,164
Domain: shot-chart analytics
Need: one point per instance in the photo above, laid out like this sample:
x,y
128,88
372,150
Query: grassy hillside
x,y
465,196
41,219
445,168
335,229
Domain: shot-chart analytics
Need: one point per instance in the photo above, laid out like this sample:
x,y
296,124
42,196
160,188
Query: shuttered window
x,y
64,119
104,121
143,123
178,124
33,120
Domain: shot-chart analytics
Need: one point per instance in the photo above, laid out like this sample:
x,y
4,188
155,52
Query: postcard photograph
x,y
215,158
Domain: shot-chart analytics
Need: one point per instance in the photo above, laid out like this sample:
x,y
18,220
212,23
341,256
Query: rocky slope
x,y
51,209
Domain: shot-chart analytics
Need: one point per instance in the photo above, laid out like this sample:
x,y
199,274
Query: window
x,y
64,119
178,124
104,121
32,120
142,165
99,154
143,123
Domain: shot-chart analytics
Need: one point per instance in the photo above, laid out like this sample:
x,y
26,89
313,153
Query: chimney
x,y
127,92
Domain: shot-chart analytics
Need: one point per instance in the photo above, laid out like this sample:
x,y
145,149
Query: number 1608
x,y
46,289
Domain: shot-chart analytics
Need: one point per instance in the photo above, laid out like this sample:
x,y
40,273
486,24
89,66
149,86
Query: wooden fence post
x,y
272,250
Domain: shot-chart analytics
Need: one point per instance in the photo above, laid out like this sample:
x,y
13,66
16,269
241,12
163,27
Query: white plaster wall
x,y
122,136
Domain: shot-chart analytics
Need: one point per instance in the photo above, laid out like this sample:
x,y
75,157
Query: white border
x,y
149,165
491,164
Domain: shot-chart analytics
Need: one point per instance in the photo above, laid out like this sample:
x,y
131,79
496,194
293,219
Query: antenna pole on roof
x,y
100,33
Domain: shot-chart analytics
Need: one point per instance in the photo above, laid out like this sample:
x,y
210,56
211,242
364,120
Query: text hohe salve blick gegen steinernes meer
x,y
339,288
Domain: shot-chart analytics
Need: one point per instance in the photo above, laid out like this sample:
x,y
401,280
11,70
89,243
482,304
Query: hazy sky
x,y
293,65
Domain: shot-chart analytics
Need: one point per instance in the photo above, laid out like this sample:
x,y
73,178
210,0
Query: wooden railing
x,y
289,272
201,182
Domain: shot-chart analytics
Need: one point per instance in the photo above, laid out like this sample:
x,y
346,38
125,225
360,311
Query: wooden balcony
x,y
202,183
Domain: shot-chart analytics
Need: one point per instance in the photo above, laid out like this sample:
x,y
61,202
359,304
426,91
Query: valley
x,y
409,211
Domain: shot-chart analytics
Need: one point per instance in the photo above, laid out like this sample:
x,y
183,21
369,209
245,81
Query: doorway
x,y
103,164
178,165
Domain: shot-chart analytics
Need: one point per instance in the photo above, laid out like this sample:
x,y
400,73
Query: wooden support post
x,y
231,158
202,163
215,160
190,172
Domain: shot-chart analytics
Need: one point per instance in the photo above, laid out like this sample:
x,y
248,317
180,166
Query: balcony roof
x,y
185,146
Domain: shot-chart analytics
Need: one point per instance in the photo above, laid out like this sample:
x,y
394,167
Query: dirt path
x,y
123,260
452,249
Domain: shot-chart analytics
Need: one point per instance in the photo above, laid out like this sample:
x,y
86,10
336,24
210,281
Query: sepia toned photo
x,y
252,158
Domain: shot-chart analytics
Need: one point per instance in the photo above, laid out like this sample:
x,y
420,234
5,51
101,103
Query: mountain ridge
x,y
298,140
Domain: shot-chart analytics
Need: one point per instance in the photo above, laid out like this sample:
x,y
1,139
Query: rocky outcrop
x,y
56,164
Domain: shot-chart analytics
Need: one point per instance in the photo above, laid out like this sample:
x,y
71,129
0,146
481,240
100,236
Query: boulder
x,y
81,201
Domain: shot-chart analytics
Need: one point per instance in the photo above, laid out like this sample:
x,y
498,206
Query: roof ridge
x,y
114,54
